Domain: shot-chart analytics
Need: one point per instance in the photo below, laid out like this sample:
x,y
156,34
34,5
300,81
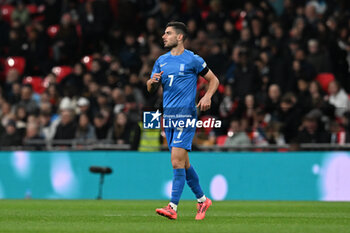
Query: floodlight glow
x,y
167,188
335,182
62,175
56,70
11,62
21,163
86,59
316,169
218,187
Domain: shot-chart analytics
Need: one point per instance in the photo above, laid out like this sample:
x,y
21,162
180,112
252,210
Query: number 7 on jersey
x,y
171,76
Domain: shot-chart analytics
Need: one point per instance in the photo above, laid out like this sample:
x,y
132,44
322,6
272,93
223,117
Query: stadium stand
x,y
52,53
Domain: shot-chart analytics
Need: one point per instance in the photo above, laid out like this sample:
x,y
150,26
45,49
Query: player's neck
x,y
178,50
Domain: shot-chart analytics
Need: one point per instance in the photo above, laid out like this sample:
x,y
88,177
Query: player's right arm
x,y
154,82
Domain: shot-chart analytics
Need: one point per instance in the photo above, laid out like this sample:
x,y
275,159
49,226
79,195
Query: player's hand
x,y
204,104
153,82
156,77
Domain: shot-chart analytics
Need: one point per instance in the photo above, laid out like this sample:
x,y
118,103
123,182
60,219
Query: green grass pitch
x,y
139,216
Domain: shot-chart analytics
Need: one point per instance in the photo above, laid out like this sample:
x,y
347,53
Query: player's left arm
x,y
213,82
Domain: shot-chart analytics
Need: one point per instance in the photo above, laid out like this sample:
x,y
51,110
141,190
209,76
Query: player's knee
x,y
178,163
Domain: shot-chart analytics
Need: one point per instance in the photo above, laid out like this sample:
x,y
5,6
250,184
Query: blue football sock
x,y
193,182
178,185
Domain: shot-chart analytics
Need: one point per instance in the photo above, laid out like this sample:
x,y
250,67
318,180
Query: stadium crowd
x,y
77,69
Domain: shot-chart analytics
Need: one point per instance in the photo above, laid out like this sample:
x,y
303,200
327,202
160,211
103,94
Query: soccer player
x,y
177,71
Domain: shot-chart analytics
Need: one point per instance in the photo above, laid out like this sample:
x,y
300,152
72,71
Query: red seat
x,y
87,61
204,14
53,30
324,79
79,30
203,119
61,72
220,140
6,11
36,82
18,63
221,89
32,8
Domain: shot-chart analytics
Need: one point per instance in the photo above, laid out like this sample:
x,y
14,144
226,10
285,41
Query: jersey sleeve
x,y
200,65
156,68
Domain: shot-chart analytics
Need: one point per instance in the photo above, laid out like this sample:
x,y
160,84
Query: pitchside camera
x,y
102,171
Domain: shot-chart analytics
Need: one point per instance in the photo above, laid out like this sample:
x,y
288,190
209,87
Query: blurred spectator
x,y
47,130
273,101
217,60
53,96
5,113
319,59
258,53
101,126
21,13
337,134
74,81
217,13
227,106
273,134
338,98
97,71
36,53
311,132
21,118
13,87
11,136
129,52
115,38
167,12
289,116
246,76
302,69
132,108
84,107
125,131
118,98
33,133
235,135
17,43
316,94
67,127
246,109
66,41
191,11
27,99
303,96
230,36
103,101
92,26
85,130
232,65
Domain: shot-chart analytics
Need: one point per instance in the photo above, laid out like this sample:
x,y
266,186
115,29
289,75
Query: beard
x,y
170,46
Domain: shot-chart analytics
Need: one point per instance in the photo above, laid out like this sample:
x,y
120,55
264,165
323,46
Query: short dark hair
x,y
179,28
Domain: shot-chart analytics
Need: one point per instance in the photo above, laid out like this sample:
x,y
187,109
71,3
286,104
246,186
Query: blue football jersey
x,y
179,80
